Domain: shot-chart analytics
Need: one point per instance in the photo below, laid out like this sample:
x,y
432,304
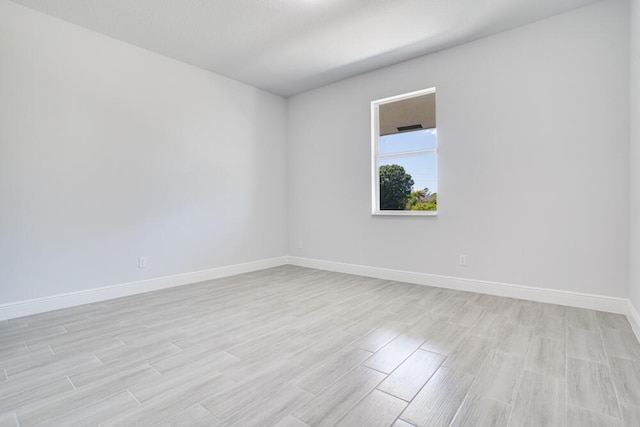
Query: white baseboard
x,y
55,302
634,319
553,296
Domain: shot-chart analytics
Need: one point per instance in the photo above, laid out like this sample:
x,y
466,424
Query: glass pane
x,y
408,141
409,182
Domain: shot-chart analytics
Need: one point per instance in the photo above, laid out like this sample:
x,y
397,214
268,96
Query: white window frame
x,y
375,155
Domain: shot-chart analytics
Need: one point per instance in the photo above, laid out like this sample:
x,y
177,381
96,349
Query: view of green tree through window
x,y
405,154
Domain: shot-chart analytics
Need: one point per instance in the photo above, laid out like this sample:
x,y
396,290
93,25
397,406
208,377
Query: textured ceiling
x,y
290,46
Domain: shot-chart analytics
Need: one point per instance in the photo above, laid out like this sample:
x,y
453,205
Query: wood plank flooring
x,y
297,347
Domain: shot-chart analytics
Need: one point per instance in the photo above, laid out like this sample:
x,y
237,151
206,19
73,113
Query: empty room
x,y
320,212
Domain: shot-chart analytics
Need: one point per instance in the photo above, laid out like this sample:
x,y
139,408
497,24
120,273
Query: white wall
x,y
634,52
533,168
109,152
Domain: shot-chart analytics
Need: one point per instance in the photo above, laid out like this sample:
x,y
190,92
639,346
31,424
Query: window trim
x,y
375,156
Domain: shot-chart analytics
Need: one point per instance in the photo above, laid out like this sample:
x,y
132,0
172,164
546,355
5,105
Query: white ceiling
x,y
290,46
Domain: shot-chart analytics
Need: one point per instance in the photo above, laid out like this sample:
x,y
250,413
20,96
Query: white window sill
x,y
405,213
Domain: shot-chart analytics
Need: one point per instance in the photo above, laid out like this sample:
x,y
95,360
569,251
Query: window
x,y
404,154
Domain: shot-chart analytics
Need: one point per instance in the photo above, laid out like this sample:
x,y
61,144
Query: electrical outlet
x,y
300,244
462,260
142,262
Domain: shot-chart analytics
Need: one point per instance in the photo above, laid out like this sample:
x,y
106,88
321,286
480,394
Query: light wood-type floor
x,y
292,347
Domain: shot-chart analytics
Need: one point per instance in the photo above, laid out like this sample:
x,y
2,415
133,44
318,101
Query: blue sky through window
x,y
422,167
